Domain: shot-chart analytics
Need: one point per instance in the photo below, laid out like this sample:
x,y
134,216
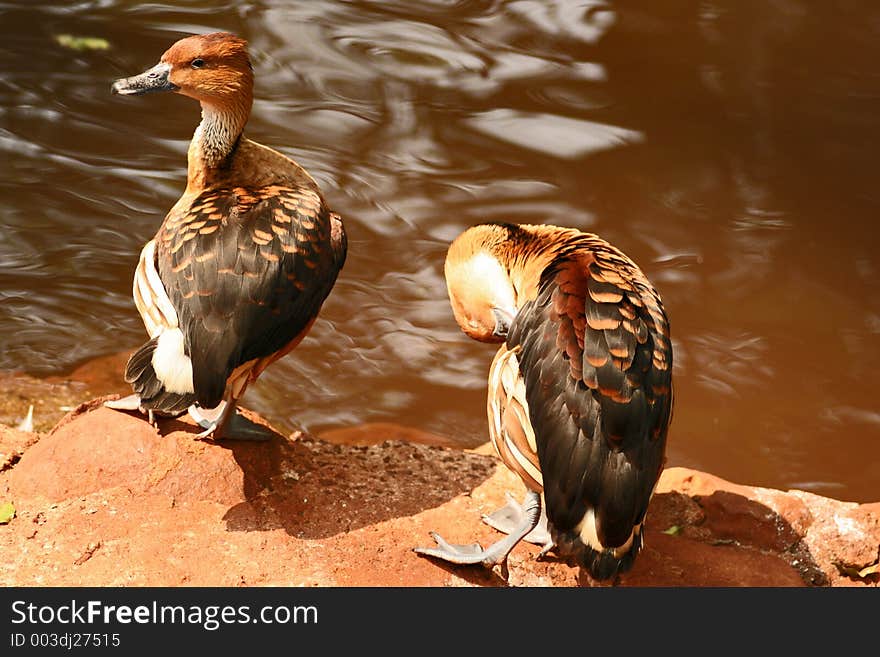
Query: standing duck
x,y
580,392
239,269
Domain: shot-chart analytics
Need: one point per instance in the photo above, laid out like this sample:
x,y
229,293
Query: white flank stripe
x,y
496,431
153,298
507,393
526,465
515,386
173,367
141,293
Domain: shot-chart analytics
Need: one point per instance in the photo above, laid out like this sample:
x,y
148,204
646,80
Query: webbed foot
x,y
495,553
509,518
133,403
130,403
225,423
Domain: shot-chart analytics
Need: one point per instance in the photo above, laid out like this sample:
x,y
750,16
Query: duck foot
x,y
497,552
509,518
130,403
224,422
133,403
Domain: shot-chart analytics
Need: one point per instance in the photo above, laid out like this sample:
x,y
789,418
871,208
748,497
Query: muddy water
x,y
729,147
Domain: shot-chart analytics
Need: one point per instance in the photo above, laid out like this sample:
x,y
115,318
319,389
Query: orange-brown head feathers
x,y
215,69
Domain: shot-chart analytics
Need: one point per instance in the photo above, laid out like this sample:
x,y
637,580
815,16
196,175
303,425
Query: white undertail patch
x,y
588,533
172,366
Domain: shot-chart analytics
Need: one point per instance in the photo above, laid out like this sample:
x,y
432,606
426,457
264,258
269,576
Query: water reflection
x,y
728,147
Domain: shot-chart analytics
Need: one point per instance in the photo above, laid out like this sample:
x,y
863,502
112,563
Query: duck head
x,y
480,289
214,69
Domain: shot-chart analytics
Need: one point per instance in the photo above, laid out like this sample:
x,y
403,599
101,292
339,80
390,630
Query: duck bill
x,y
503,322
155,79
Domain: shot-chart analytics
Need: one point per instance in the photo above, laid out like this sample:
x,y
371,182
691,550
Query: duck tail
x,y
141,374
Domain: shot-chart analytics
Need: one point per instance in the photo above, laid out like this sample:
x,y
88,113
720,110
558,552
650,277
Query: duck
x,y
239,268
579,392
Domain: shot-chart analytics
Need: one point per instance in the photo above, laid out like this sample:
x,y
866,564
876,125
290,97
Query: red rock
x,y
13,444
106,499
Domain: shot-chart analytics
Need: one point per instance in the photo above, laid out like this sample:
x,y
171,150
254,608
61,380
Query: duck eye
x,y
197,63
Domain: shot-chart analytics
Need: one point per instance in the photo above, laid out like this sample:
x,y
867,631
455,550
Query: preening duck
x,y
239,268
580,391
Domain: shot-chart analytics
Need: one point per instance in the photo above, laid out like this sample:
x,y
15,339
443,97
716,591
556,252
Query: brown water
x,y
729,147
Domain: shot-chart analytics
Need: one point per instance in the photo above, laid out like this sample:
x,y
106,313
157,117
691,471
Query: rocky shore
x,y
103,498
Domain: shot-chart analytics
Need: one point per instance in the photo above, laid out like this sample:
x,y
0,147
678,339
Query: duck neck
x,y
527,263
525,276
215,139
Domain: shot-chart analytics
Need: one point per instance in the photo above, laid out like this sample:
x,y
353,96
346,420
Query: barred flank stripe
x,y
510,429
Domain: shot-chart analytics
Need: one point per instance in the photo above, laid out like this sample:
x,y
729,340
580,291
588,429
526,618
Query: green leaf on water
x,y
82,42
675,530
7,512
